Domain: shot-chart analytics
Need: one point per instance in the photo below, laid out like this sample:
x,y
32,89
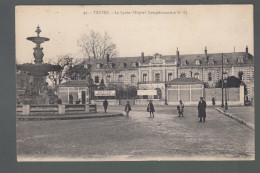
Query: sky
x,y
135,29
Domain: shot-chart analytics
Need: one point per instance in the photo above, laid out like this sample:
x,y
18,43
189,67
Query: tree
x,y
102,85
232,81
57,74
77,72
95,45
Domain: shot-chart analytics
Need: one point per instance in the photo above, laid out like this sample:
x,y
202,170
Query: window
x,y
225,61
197,62
157,77
240,75
240,60
108,78
132,78
209,76
169,76
145,77
159,94
190,73
96,79
211,61
196,75
120,78
183,75
99,65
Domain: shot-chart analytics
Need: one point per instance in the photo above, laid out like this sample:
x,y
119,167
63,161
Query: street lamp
x,y
225,81
222,83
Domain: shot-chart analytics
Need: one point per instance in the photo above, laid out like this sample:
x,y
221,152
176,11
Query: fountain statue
x,y
31,78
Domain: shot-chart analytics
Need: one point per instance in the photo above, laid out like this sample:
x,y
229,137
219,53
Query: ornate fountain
x,y
31,78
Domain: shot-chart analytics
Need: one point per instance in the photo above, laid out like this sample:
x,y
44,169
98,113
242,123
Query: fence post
x,y
242,95
25,109
61,109
86,108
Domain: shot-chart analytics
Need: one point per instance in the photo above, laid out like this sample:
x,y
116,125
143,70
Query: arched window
x,y
240,75
120,78
157,77
144,77
132,78
196,75
209,76
96,79
169,76
159,93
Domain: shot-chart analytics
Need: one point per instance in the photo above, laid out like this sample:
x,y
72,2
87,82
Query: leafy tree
x,y
77,72
95,45
57,74
232,81
102,85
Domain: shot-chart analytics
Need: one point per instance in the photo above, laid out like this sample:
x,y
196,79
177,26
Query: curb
x,y
236,118
68,117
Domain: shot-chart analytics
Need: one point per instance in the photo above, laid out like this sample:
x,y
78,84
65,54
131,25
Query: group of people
x,y
150,108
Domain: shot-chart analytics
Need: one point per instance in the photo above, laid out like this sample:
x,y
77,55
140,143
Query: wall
x,y
53,109
235,96
110,102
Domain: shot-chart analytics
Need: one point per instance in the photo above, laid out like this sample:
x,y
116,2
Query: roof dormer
x,y
99,65
210,61
134,64
197,62
240,60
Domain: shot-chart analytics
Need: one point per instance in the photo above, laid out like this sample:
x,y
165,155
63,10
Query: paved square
x,y
138,137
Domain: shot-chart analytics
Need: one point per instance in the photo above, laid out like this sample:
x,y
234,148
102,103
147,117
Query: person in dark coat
x,y
150,108
105,103
202,110
127,108
213,101
180,108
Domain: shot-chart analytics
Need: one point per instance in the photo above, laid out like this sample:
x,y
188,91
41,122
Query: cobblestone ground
x,y
138,137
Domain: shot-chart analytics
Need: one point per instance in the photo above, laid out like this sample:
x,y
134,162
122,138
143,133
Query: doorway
x,y
83,97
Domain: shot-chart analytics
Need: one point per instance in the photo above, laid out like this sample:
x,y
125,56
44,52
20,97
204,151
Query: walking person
x,y
180,108
150,108
105,103
127,108
213,101
202,110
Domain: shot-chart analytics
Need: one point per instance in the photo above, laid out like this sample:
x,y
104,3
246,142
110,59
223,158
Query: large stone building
x,y
153,72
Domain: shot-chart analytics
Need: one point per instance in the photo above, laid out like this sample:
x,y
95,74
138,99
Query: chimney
x,y
246,49
142,55
206,54
177,56
107,57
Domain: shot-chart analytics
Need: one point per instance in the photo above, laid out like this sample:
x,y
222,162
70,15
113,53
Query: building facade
x,y
153,72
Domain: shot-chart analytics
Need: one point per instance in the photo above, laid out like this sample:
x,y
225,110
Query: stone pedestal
x,y
61,109
25,109
86,108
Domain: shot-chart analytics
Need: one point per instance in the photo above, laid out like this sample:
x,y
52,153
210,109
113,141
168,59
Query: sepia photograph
x,y
134,83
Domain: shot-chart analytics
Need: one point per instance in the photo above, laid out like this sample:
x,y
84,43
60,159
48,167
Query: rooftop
x,y
184,81
76,83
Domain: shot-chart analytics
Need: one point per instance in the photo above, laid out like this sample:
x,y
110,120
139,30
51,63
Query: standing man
x,y
213,101
180,108
202,110
127,108
150,108
105,103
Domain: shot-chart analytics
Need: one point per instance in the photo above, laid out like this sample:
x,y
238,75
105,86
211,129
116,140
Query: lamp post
x,y
222,83
225,81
